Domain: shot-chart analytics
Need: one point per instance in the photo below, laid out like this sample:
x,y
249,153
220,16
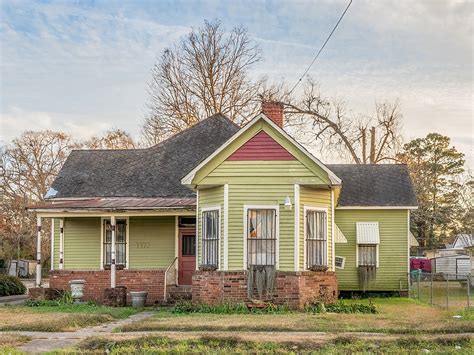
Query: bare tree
x,y
113,139
367,140
28,167
30,163
206,73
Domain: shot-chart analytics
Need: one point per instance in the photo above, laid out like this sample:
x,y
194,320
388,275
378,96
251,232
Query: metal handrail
x,y
165,283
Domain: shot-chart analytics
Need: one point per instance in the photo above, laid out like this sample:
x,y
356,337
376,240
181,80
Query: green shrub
x,y
11,285
184,307
66,299
342,307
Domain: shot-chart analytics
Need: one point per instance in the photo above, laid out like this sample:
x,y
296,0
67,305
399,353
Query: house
x,y
455,259
459,246
228,214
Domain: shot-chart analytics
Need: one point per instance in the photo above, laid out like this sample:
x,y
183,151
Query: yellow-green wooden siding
x,y
82,246
269,194
211,197
319,198
202,177
393,249
151,242
259,173
56,244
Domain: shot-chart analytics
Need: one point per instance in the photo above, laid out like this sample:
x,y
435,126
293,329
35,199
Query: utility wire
x,y
321,49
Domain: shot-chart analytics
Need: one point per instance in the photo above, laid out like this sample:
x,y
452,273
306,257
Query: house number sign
x,y
142,245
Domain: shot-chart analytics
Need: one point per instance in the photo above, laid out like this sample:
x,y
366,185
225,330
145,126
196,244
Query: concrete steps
x,y
176,293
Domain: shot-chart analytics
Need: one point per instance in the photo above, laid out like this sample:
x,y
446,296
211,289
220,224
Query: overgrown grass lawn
x,y
340,345
396,315
59,318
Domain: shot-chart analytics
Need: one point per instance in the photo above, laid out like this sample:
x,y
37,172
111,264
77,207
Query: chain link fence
x,y
441,289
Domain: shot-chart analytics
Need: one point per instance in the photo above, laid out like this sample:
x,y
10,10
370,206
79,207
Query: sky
x,y
83,66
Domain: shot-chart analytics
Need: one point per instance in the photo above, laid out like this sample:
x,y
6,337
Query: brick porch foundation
x,y
294,289
96,281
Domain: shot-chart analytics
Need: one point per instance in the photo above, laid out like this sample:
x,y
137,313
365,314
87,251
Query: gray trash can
x,y
138,298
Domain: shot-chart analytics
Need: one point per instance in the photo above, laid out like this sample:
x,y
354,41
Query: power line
x,y
321,49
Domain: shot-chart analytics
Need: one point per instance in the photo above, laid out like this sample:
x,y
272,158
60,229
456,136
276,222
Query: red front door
x,y
187,256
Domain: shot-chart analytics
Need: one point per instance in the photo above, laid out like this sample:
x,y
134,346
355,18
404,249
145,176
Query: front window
x,y
367,254
316,239
210,238
120,243
261,237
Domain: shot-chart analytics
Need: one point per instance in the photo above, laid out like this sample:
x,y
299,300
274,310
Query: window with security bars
x,y
367,254
210,238
261,237
316,238
120,243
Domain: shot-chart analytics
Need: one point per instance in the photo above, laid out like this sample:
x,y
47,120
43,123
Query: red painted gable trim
x,y
261,147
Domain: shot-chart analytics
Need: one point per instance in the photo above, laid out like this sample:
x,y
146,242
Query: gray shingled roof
x,y
374,185
151,172
157,171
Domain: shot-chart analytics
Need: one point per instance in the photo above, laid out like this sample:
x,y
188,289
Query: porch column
x,y
38,252
61,244
112,252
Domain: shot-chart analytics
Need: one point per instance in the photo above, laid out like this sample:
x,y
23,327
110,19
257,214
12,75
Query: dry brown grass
x,y
401,316
23,318
8,342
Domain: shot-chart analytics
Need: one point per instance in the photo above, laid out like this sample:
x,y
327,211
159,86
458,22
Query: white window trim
x,y
296,222
277,232
343,262
127,240
333,241
225,235
307,208
376,254
219,256
408,241
377,262
197,231
52,244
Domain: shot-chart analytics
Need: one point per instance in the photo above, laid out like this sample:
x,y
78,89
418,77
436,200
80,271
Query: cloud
x,y
84,66
16,121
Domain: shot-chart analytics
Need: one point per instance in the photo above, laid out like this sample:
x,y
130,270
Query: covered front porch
x,y
151,250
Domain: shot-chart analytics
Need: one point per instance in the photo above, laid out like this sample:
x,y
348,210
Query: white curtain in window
x,y
367,254
120,242
210,238
316,238
261,237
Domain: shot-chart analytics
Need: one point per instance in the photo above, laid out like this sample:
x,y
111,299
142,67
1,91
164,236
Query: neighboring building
x,y
455,261
220,207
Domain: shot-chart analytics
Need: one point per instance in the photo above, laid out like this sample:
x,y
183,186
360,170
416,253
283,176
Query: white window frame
x,y
127,240
343,262
307,208
377,253
219,256
277,232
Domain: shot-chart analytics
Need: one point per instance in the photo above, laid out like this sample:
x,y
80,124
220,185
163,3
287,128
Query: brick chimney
x,y
274,111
